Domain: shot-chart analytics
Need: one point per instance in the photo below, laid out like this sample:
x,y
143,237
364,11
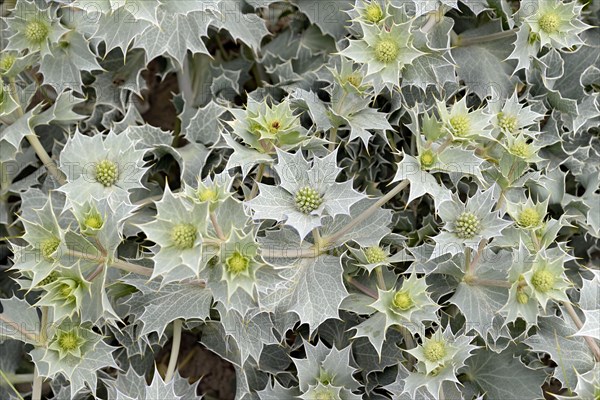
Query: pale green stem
x,y
215,224
591,342
35,143
119,264
366,214
38,381
333,138
380,280
361,287
468,269
174,350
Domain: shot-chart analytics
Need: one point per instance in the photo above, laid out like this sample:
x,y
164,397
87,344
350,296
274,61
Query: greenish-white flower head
x,y
408,305
68,342
308,199
521,302
556,23
439,358
462,123
7,60
265,127
46,244
427,158
213,190
546,278
522,148
323,391
101,168
178,231
372,11
326,372
373,256
512,117
64,292
350,77
239,261
528,215
33,29
385,50
467,224
307,192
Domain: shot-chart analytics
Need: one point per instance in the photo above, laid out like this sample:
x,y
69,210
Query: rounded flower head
x,y
183,236
521,147
7,61
207,194
460,125
507,123
467,225
427,159
308,200
403,301
49,247
68,343
543,280
556,23
237,263
549,22
375,255
546,278
463,123
529,217
107,172
373,12
386,50
36,31
435,350
93,221
528,214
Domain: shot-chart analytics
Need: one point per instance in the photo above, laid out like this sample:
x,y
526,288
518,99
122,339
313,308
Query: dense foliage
x,y
379,199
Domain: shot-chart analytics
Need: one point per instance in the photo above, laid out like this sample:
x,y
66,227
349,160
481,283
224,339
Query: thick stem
x,y
119,264
174,350
380,280
579,324
468,41
366,214
361,287
36,393
333,138
259,176
215,224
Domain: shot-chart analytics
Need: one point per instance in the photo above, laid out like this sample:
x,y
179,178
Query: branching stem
x,y
120,264
366,214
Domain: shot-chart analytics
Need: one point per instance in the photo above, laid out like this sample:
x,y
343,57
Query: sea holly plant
x,y
186,211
